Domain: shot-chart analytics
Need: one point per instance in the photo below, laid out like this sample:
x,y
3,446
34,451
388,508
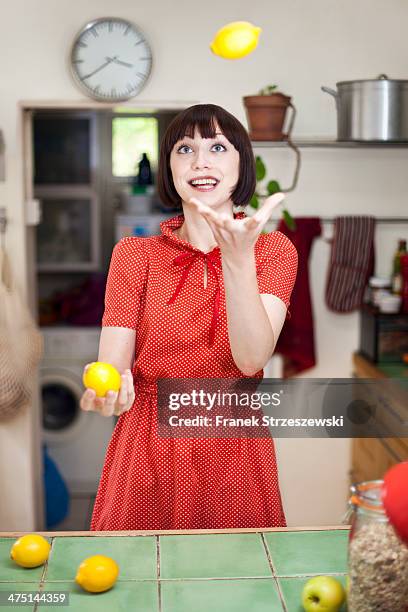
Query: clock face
x,y
111,59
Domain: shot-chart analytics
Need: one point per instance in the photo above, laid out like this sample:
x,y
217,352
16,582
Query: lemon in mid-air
x,y
235,40
30,550
102,377
97,574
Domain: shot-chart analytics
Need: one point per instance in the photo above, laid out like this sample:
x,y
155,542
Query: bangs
x,y
206,118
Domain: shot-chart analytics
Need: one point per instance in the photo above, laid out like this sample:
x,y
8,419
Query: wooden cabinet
x,y
372,457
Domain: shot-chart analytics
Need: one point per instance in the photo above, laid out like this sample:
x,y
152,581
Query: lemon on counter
x,y
30,550
97,574
235,40
101,377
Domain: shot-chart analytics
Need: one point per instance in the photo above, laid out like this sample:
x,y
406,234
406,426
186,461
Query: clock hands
x,y
109,61
117,61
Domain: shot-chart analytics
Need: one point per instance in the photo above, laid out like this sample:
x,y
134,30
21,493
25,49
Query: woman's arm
x,y
254,321
117,347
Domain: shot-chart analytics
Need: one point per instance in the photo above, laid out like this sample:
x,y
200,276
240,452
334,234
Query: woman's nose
x,y
201,159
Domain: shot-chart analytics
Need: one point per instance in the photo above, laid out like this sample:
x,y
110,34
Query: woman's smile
x,y
205,183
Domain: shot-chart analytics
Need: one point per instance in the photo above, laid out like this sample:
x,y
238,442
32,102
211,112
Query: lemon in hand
x,y
235,40
97,574
30,550
102,377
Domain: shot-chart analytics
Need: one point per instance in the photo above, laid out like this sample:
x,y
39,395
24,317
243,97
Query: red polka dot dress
x,y
155,286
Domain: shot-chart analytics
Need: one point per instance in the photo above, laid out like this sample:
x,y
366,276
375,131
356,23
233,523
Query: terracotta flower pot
x,y
266,116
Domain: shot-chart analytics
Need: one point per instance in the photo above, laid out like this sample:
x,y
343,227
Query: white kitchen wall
x,y
303,45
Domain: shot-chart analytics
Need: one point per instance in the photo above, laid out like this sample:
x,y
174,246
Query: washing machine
x,y
76,440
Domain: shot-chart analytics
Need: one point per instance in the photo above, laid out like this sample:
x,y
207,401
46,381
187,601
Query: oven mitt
x,y
351,262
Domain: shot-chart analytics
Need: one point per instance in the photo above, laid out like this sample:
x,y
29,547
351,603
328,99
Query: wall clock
x,y
111,59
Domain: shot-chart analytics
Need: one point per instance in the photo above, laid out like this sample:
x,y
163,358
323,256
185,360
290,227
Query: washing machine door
x,y
76,439
62,416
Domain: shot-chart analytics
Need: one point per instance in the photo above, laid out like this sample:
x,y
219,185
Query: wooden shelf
x,y
329,143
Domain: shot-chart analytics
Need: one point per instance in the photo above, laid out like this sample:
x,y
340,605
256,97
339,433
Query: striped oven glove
x,y
351,262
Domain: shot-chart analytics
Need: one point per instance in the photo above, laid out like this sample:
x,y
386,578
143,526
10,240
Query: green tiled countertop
x,y
180,571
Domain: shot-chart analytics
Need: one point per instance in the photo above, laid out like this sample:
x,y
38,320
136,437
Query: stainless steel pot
x,y
372,109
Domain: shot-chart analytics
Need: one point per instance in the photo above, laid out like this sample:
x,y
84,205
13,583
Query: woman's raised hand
x,y
115,402
235,237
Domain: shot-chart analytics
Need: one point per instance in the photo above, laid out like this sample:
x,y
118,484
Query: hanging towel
x,y
351,262
296,341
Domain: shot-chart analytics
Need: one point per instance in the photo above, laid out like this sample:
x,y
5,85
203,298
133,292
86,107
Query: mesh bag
x,y
21,344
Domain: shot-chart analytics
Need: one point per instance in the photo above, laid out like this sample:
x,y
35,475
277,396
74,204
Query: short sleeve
x,y
125,283
276,264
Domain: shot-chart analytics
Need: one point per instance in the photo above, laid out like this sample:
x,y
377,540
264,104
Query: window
x,y
62,149
132,136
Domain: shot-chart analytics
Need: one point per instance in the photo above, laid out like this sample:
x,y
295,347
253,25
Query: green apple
x,y
322,594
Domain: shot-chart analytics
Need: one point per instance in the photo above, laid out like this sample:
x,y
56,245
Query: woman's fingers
x,y
131,386
264,213
206,211
87,400
123,391
108,406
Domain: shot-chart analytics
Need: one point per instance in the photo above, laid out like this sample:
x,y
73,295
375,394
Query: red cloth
x,y
152,482
296,341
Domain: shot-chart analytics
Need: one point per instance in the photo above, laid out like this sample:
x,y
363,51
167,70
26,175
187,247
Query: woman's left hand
x,y
237,237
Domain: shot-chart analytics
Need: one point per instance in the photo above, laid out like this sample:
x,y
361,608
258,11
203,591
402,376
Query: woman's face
x,y
214,159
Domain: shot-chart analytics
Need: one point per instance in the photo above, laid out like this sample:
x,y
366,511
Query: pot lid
x,y
380,78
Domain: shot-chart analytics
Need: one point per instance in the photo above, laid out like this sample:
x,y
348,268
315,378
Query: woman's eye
x,y
182,148
220,145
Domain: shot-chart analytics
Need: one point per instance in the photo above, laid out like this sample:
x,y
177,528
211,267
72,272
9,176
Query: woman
x,y
205,299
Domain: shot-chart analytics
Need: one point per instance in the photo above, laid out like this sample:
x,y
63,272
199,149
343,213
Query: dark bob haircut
x,y
205,118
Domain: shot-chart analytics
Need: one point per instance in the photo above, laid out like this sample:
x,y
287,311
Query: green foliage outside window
x,y
132,136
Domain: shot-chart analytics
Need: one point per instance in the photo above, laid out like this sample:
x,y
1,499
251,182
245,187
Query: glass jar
x,y
378,288
377,558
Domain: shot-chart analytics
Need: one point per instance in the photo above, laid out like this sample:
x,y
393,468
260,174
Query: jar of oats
x,y
377,558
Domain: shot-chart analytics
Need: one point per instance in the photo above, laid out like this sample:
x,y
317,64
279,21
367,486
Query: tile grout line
x,y
158,572
44,572
268,554
195,579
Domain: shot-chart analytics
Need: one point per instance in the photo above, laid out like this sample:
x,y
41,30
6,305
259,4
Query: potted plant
x,y
271,188
266,114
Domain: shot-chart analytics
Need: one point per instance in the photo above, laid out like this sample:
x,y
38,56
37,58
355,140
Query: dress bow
x,y
188,259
